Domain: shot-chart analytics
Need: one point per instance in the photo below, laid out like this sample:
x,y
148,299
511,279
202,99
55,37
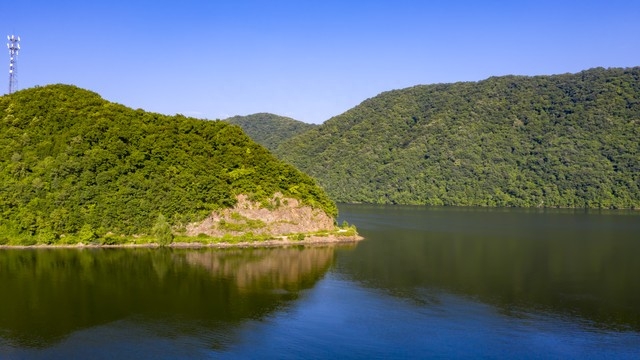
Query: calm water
x,y
427,282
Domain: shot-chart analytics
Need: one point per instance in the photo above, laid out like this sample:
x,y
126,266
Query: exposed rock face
x,y
281,216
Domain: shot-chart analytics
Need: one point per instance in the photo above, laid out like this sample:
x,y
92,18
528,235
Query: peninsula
x,y
77,169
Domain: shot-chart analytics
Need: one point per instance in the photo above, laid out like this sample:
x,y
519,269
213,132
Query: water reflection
x,y
49,294
279,269
575,263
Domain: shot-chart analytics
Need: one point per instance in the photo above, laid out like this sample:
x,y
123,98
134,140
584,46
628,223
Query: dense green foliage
x,y
270,130
162,231
73,163
569,140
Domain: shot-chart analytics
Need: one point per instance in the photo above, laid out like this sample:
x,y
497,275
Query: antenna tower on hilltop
x,y
14,48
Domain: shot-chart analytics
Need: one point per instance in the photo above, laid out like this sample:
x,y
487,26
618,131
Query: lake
x,y
428,282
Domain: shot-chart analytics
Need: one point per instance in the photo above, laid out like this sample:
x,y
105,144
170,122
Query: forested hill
x,y
569,140
270,130
70,160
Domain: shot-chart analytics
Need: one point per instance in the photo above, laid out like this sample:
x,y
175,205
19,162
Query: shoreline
x,y
309,240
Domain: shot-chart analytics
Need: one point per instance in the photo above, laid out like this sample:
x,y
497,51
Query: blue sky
x,y
306,59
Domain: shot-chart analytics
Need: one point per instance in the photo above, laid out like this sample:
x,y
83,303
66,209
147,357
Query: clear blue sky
x,y
306,59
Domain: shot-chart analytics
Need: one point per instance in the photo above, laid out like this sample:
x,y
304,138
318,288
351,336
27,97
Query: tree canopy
x,y
570,140
270,130
73,163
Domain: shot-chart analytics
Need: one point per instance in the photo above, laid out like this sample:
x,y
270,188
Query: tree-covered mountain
x,y
270,130
570,140
71,162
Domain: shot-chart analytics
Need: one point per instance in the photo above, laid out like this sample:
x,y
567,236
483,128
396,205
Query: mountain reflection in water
x,y
425,282
575,263
48,294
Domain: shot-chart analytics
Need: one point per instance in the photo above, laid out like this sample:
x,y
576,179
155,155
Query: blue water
x,y
371,324
443,294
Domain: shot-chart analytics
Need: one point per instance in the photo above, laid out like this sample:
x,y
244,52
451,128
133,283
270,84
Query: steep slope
x,y
270,130
71,162
569,140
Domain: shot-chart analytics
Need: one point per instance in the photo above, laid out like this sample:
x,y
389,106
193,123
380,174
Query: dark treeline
x,y
73,163
569,140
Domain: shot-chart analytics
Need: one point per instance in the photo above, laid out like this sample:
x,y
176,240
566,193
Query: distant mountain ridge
x,y
570,140
270,130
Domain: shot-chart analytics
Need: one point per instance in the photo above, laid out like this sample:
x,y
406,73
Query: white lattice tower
x,y
14,49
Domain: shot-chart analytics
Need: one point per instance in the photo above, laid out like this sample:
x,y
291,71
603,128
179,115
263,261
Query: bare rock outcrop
x,y
279,216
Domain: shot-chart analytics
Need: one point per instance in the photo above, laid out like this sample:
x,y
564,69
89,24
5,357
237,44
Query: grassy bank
x,y
344,233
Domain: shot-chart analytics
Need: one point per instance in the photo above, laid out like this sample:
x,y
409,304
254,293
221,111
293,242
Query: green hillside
x,y
569,140
270,130
71,163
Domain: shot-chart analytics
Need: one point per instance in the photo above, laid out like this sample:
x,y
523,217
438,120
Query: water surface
x,y
426,282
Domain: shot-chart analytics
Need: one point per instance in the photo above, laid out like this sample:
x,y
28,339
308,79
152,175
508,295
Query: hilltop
x,y
75,167
568,140
270,130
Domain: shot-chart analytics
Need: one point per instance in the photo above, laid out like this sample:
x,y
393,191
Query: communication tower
x,y
14,48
